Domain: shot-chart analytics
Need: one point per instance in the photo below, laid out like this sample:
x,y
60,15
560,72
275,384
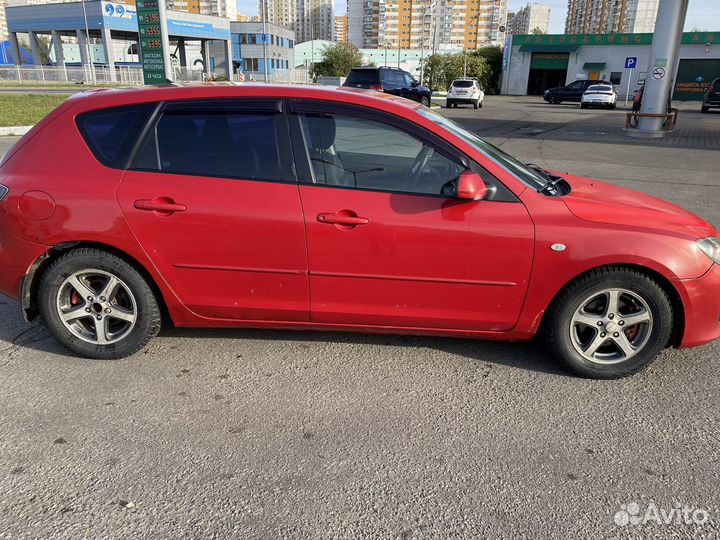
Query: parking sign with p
x,y
631,62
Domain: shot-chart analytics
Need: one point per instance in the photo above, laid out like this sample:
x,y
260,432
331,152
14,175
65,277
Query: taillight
x,y
3,191
378,87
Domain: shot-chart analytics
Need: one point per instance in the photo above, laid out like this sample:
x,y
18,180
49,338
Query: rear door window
x,y
111,133
236,143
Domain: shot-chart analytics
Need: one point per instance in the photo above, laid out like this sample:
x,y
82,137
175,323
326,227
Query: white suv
x,y
465,91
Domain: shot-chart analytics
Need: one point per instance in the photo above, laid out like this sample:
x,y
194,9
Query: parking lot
x,y
279,434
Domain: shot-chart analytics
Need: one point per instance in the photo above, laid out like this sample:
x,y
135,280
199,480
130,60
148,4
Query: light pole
x,y
475,18
264,28
428,11
87,41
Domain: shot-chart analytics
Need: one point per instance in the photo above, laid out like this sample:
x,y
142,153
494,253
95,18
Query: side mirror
x,y
471,186
414,83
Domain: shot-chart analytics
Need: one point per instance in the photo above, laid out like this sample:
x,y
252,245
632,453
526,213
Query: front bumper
x,y
16,257
701,299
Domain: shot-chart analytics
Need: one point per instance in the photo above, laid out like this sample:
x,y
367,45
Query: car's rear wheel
x,y
704,109
476,104
97,305
449,104
583,105
424,100
480,104
610,323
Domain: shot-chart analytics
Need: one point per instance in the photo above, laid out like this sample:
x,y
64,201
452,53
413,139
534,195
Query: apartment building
x,y
341,28
611,16
531,18
412,24
309,19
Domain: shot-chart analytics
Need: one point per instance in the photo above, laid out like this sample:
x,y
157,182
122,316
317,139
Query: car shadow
x,y
16,335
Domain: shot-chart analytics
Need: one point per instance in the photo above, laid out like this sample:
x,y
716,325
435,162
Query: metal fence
x,y
128,75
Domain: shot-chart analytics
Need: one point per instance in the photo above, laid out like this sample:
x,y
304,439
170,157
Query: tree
x,y
493,56
337,61
538,31
442,69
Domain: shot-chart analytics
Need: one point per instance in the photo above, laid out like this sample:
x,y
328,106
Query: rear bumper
x,y
712,102
701,298
16,257
464,99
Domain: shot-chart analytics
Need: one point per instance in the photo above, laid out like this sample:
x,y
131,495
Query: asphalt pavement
x,y
278,434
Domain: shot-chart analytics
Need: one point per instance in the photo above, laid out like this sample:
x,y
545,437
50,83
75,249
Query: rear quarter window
x,y
111,133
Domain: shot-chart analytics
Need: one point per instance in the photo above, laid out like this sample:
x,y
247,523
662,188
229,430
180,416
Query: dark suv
x,y
712,96
572,92
390,80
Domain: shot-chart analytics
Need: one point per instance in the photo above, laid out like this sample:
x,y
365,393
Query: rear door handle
x,y
161,205
342,219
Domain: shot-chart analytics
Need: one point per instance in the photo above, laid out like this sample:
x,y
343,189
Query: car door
x,y
574,91
212,198
388,242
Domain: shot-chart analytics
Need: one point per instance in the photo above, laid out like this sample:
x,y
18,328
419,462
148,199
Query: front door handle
x,y
344,217
160,205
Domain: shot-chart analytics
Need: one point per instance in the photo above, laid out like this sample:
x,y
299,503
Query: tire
x,y
704,109
475,105
554,99
424,100
588,298
448,104
612,107
129,314
480,105
583,106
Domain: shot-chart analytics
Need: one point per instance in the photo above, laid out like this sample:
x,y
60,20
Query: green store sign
x,y
700,38
151,43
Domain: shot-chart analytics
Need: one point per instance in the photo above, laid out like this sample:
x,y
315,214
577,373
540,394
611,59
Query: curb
x,y
14,130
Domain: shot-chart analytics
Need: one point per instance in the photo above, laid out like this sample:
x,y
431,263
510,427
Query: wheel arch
x,y
28,292
666,284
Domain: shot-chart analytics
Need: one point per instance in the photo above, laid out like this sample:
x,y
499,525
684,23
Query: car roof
x,y
113,97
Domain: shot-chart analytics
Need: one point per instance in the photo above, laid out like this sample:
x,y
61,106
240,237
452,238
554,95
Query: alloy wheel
x,y
97,307
611,326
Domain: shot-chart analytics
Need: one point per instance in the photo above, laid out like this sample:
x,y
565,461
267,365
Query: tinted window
x,y
462,84
576,85
225,144
362,76
616,77
600,88
366,154
111,133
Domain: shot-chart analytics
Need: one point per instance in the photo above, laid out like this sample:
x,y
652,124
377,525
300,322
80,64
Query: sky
x,y
702,14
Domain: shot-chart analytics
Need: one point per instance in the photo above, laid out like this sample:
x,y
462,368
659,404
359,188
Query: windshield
x,y
522,172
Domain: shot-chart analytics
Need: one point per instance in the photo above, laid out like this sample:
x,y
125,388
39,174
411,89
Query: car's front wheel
x,y
424,100
610,323
97,305
554,99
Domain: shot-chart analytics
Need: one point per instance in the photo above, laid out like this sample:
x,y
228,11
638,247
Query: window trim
x,y
275,106
498,192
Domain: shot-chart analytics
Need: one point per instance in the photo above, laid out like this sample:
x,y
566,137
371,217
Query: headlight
x,y
710,247
545,93
3,191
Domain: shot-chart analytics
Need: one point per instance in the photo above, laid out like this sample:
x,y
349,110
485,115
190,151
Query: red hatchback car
x,y
315,208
